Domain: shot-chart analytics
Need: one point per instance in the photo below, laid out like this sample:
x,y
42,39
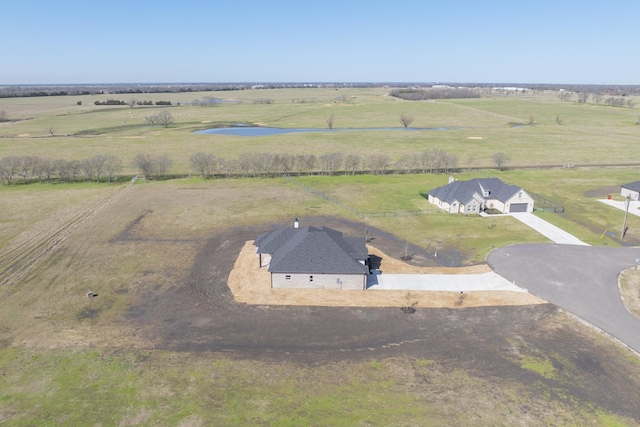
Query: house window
x,y
287,277
311,279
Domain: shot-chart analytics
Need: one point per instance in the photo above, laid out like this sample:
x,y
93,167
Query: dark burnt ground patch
x,y
610,190
496,344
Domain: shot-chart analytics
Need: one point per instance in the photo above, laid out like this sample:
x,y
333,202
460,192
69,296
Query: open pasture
x,y
164,340
472,129
165,343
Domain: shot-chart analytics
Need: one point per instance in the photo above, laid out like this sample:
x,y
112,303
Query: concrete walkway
x,y
489,281
550,231
634,205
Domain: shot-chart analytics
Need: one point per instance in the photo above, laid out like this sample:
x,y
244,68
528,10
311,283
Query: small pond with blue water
x,y
267,131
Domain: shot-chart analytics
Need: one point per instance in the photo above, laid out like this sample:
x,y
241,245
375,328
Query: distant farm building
x,y
310,257
631,190
477,195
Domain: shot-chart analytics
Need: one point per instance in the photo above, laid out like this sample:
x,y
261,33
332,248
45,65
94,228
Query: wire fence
x,y
547,205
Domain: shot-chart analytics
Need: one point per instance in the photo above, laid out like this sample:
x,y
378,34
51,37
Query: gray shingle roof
x,y
313,250
463,191
634,186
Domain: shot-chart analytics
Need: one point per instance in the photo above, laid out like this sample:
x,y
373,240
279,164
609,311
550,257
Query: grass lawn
x,y
68,360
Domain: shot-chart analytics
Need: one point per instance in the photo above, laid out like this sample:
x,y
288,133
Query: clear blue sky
x,y
116,41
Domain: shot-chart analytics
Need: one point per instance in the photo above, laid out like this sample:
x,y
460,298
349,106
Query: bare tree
x,y
99,161
112,165
329,120
597,97
75,168
151,119
405,120
45,168
565,96
558,120
244,163
329,163
283,163
3,116
202,163
165,118
88,168
63,169
52,130
378,163
161,165
131,103
10,167
145,163
310,162
28,167
500,159
406,163
352,162
583,97
532,120
424,161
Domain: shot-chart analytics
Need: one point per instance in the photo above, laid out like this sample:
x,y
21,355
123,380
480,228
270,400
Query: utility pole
x,y
624,223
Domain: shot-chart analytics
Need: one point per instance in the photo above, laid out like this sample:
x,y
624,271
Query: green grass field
x,y
65,360
590,133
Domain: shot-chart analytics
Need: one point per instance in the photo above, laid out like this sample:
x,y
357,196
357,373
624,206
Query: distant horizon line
x,y
303,83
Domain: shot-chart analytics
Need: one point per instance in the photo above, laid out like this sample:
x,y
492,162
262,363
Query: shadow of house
x,y
311,257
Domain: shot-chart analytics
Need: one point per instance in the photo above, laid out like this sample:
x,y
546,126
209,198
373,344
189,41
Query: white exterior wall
x,y
473,207
320,281
265,259
495,204
520,197
451,208
625,192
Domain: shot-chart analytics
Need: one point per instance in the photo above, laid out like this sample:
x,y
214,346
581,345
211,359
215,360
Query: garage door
x,y
518,207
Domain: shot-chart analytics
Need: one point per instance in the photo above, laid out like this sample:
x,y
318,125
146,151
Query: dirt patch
x,y
251,284
612,190
200,314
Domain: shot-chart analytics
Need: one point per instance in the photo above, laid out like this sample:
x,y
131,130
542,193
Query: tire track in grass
x,y
17,261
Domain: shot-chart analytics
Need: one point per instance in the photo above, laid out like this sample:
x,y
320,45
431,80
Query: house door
x,y
518,207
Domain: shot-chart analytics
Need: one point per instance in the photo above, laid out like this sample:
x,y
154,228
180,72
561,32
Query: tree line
x,y
107,167
434,93
29,168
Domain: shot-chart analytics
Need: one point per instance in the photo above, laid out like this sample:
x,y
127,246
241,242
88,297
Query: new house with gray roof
x,y
631,190
313,257
476,195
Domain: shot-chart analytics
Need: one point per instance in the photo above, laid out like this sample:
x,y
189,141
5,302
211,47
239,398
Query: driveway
x,y
488,281
548,230
581,279
634,205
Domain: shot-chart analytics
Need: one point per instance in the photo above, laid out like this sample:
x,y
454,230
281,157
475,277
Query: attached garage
x,y
518,207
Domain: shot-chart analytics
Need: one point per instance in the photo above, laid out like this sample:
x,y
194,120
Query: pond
x,y
267,131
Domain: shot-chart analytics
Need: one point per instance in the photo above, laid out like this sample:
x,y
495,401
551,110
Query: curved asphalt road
x,y
580,279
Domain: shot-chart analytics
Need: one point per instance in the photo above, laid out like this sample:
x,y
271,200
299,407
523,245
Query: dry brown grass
x,y
629,285
251,284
